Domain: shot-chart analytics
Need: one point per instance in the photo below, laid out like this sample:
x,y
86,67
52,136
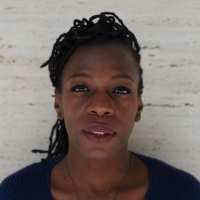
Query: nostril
x,y
100,111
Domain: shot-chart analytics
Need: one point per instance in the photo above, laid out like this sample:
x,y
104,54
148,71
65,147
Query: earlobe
x,y
57,104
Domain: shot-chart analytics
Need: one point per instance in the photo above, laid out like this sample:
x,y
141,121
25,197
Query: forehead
x,y
107,58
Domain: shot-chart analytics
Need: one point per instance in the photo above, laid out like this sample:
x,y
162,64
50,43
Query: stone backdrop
x,y
169,34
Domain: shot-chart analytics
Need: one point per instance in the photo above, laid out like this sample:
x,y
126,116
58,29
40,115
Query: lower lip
x,y
98,138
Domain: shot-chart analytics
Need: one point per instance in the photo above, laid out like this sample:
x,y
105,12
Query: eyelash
x,y
122,90
84,88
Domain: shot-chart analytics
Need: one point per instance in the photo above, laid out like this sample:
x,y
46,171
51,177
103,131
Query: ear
x,y
58,105
140,108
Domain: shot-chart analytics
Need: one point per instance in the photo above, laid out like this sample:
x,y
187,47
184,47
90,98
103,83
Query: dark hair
x,y
100,29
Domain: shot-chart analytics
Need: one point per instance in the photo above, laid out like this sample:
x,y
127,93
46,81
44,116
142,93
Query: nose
x,y
100,104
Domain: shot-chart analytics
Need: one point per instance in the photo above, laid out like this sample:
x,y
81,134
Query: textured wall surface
x,y
169,34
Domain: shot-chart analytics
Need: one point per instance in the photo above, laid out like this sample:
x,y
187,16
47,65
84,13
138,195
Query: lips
x,y
99,133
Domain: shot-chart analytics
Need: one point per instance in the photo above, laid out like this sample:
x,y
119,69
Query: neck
x,y
98,174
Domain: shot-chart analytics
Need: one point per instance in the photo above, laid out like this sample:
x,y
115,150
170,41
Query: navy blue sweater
x,y
166,182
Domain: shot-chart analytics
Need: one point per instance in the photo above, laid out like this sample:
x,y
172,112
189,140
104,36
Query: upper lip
x,y
97,127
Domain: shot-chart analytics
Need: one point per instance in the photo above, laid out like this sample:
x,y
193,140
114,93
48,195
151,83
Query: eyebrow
x,y
122,76
83,75
115,77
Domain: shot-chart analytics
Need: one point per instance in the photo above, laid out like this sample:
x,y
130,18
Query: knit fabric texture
x,y
166,182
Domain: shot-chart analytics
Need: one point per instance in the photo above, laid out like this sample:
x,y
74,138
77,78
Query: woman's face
x,y
99,100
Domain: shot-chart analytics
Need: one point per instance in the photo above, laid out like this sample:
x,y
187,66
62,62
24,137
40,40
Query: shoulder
x,y
31,182
168,182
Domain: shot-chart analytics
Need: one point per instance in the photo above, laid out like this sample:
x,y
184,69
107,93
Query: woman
x,y
95,69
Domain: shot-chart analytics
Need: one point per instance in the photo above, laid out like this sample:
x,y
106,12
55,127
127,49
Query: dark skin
x,y
99,85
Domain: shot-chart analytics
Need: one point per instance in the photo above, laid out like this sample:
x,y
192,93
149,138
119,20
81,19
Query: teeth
x,y
98,133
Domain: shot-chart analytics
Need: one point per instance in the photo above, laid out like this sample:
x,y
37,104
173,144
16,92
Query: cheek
x,y
129,105
72,107
128,111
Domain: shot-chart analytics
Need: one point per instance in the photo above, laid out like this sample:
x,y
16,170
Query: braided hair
x,y
100,29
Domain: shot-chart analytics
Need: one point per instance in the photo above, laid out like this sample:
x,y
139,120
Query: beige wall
x,y
169,34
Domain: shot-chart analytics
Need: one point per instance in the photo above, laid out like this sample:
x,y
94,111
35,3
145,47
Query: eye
x,y
122,90
80,88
